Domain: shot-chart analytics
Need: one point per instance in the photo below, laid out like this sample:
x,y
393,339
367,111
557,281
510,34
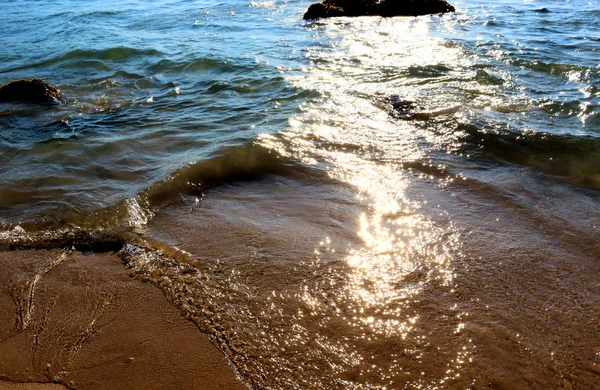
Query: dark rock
x,y
398,103
323,10
333,8
29,91
409,110
401,108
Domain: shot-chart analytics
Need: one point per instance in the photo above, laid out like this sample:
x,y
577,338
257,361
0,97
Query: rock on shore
x,y
333,8
29,91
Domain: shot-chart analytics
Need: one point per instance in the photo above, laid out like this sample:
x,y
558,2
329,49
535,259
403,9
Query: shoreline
x,y
83,322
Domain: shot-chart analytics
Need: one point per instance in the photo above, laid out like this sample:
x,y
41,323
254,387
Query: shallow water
x,y
347,203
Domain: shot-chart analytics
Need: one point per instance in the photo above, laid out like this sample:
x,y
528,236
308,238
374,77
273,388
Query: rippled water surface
x,y
368,203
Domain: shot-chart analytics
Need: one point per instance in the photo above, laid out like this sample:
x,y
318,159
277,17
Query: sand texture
x,y
83,322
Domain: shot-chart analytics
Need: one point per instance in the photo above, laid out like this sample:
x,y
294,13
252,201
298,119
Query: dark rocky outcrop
x,y
29,91
401,108
333,8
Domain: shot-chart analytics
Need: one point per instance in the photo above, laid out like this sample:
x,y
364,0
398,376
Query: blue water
x,y
496,107
151,88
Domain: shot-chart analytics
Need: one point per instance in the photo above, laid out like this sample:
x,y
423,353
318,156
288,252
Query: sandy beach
x,y
29,386
83,323
229,195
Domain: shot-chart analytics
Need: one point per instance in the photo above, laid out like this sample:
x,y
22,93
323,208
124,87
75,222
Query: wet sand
x,y
84,323
510,302
30,386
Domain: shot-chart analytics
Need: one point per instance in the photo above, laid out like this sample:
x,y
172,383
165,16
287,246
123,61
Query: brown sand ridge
x,y
30,386
83,322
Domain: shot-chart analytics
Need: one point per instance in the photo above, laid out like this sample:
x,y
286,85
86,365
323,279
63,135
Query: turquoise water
x,y
151,88
365,202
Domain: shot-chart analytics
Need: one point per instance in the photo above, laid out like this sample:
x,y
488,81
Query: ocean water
x,y
368,203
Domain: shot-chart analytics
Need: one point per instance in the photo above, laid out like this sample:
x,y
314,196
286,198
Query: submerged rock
x,y
29,91
333,8
409,110
401,108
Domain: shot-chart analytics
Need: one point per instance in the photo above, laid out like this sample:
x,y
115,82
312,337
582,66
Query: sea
x,y
346,203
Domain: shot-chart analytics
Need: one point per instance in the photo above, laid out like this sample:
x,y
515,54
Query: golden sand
x,y
83,322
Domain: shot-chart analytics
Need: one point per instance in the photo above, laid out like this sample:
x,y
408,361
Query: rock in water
x,y
29,91
323,10
332,8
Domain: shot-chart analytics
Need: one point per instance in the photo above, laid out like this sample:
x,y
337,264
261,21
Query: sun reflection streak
x,y
401,252
388,288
